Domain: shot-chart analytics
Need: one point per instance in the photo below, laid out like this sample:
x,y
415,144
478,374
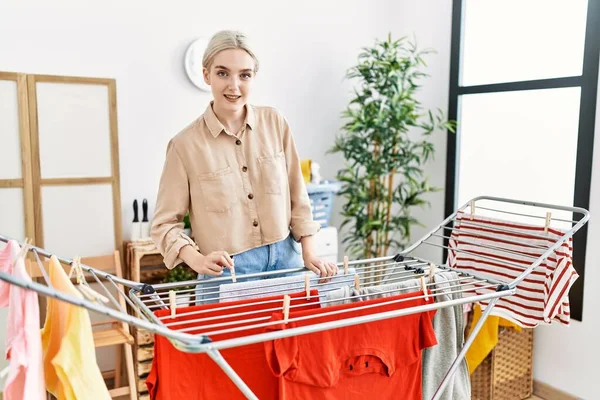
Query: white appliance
x,y
326,244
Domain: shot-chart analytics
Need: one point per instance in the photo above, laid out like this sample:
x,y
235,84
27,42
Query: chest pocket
x,y
273,171
218,190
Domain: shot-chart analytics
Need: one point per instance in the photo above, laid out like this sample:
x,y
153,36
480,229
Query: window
x,y
523,88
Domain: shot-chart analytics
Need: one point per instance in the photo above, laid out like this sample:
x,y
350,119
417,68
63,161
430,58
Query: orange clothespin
x,y
356,282
307,285
345,265
286,308
172,303
424,288
548,219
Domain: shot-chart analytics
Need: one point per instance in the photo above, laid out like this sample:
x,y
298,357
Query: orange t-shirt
x,y
381,358
176,375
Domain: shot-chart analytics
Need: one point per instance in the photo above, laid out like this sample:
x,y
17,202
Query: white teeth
x,y
231,96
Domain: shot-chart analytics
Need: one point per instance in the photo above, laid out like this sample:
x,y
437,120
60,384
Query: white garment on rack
x,y
273,286
25,375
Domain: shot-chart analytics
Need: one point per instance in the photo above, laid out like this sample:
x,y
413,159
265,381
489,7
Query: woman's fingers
x,y
331,268
224,262
228,259
213,264
313,269
335,268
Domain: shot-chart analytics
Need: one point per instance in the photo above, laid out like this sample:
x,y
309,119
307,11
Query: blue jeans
x,y
271,257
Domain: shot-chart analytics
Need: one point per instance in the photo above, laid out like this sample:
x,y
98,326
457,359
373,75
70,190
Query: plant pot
x,y
185,300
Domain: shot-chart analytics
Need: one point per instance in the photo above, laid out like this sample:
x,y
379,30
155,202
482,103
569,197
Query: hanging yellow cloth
x,y
70,368
306,165
486,339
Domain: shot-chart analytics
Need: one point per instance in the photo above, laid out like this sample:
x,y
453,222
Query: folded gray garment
x,y
274,286
349,294
448,324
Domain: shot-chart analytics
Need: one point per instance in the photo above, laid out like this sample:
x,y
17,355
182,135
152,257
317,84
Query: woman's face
x,y
230,77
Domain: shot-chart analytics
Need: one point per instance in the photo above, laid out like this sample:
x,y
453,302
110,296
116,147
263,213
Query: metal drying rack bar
x,y
146,299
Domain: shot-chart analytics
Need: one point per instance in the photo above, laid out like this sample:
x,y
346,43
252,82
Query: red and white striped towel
x,y
502,250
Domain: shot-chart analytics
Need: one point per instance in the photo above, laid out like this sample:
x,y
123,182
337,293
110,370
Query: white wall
x,y
566,357
431,25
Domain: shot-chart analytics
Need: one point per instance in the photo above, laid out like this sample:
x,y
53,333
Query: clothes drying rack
x,y
145,299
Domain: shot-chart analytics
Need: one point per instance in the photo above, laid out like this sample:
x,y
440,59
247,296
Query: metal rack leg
x,y
463,352
218,358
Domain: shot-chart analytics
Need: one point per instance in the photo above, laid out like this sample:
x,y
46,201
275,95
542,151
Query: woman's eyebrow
x,y
227,69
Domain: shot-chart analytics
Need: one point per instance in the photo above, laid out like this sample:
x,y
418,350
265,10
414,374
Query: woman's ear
x,y
206,75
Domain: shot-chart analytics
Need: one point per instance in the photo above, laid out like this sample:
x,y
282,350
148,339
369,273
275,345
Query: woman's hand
x,y
325,269
211,264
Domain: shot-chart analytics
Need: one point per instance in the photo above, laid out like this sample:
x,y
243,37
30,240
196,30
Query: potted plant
x,y
187,226
385,145
182,273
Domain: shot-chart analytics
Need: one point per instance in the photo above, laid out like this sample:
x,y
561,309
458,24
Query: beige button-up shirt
x,y
242,191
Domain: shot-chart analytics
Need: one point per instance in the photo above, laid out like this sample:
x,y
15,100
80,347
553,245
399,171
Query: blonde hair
x,y
225,40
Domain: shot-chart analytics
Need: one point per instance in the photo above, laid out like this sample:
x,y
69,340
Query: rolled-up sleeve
x,y
302,223
171,205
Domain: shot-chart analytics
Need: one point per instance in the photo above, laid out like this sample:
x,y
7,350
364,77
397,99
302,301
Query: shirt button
x,y
244,169
250,196
255,223
238,142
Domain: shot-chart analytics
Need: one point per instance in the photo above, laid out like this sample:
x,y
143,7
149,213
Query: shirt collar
x,y
216,127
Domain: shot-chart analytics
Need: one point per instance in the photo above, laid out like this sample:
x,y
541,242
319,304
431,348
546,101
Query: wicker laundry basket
x,y
506,373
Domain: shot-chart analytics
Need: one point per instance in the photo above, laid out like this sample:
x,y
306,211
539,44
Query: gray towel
x,y
348,294
448,324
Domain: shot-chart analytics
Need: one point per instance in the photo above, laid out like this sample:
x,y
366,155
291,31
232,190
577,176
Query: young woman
x,y
237,171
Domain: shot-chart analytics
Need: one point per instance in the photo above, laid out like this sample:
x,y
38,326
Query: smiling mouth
x,y
232,97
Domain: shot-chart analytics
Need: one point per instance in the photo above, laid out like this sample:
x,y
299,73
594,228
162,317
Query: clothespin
x,y
424,288
233,271
76,267
172,303
345,265
24,249
431,272
286,308
548,219
356,282
307,285
472,209
82,284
